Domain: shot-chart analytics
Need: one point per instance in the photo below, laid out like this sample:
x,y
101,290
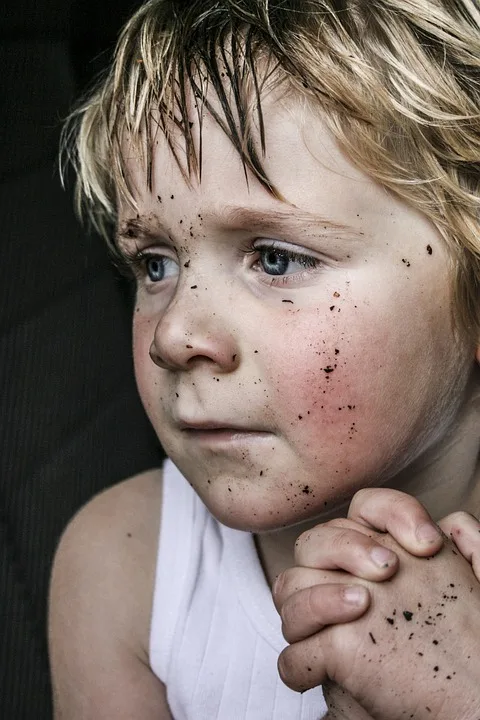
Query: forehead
x,y
301,159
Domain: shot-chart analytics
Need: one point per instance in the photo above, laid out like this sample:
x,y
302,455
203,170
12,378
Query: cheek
x,y
146,373
364,383
329,371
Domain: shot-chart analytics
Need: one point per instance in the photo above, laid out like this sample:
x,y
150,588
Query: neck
x,y
446,478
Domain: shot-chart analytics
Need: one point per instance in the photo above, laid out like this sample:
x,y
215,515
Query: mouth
x,y
216,433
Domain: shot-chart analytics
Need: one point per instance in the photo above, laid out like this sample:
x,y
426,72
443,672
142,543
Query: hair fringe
x,y
398,81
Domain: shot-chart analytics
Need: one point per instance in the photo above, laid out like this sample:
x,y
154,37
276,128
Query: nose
x,y
193,330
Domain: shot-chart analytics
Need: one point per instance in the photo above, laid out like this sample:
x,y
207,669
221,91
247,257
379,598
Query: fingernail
x,y
382,557
428,534
354,594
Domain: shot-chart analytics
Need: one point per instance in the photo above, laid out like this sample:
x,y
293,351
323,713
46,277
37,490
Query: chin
x,y
256,516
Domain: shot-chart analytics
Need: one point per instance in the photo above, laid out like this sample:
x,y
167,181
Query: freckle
x,y
429,249
337,351
229,489
177,395
255,351
172,197
332,307
193,287
336,294
129,534
187,264
233,357
189,346
159,198
288,301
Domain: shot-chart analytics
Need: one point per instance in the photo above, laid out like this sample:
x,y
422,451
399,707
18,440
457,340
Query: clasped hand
x,y
383,609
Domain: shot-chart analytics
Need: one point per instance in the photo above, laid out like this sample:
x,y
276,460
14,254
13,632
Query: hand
x,y
347,546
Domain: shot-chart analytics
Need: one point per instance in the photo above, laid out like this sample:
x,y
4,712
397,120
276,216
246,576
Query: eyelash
x,y
133,262
309,262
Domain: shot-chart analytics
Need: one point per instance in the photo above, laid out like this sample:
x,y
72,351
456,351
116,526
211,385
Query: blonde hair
x,y
398,80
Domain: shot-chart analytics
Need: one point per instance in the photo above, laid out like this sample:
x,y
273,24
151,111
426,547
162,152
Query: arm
x,y
100,604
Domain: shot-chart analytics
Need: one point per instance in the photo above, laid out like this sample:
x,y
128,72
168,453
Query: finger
x,y
308,611
400,515
295,579
329,547
302,666
341,704
464,530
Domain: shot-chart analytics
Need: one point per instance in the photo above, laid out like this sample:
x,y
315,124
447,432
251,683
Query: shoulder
x,y
110,547
101,597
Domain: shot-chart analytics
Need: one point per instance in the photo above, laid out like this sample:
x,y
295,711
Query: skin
x,y
393,677
342,376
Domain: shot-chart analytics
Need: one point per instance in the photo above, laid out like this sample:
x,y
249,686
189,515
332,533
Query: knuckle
x,y
297,606
302,540
289,582
361,496
402,502
345,538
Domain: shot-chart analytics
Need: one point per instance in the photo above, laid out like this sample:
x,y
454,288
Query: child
x,y
295,187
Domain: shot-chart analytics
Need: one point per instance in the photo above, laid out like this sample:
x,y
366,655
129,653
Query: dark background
x,y
70,419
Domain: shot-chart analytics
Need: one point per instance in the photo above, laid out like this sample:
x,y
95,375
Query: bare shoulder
x,y
100,605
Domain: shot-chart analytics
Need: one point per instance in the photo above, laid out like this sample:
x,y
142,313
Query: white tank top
x,y
215,633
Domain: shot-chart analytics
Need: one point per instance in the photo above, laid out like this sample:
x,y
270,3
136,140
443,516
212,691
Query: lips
x,y
217,425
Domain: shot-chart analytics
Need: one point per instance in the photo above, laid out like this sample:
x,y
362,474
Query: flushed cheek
x,y
348,405
319,392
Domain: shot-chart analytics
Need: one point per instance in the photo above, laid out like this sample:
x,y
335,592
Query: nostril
x,y
155,357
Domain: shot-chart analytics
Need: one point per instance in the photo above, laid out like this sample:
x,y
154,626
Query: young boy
x,y
296,189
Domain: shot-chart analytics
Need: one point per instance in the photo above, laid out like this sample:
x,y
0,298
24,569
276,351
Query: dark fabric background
x,y
70,420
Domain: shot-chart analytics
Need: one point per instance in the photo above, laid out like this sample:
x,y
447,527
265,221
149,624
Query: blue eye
x,y
278,261
149,267
274,262
155,267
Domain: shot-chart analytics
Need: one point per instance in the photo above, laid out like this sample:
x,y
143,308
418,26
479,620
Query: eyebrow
x,y
255,218
232,217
